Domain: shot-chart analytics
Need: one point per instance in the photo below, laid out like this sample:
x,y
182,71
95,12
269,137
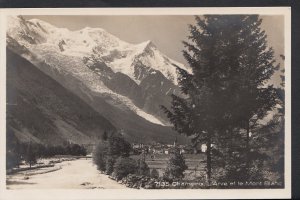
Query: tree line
x,y
29,152
112,157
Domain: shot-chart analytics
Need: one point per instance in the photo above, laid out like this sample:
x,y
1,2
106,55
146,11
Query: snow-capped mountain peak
x,y
134,77
127,83
119,55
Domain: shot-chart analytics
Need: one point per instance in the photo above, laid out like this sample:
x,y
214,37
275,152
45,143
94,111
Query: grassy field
x,y
195,162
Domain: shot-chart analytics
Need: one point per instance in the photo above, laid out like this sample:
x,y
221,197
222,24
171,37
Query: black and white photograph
x,y
147,102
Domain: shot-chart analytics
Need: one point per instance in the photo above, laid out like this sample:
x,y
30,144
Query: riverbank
x,y
73,174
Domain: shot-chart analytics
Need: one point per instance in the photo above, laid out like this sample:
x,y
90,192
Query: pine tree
x,y
124,166
118,146
106,152
104,136
100,155
253,97
227,91
176,166
271,135
143,168
30,156
13,150
154,173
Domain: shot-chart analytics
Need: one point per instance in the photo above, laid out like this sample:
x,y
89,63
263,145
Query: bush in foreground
x,y
143,168
109,165
107,151
124,166
139,181
99,156
176,166
154,173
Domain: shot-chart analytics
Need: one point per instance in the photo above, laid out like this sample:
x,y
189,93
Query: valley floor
x,y
75,174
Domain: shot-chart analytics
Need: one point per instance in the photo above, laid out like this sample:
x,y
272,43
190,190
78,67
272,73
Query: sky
x,y
166,32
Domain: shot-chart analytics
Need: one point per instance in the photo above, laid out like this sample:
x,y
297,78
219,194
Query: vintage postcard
x,y
145,103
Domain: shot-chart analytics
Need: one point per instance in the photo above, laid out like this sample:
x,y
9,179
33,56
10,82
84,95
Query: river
x,y
75,174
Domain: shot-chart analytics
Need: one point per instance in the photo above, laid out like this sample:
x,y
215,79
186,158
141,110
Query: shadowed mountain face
x,y
123,83
41,110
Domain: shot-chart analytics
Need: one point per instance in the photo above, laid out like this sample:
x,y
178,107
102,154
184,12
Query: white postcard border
x,y
142,193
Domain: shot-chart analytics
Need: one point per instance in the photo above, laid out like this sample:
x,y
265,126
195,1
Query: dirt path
x,y
76,174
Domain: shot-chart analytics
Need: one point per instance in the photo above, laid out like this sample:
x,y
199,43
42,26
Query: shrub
x,y
109,165
99,160
106,152
124,166
118,146
13,150
77,150
143,168
176,166
104,136
13,159
30,155
99,156
139,181
154,173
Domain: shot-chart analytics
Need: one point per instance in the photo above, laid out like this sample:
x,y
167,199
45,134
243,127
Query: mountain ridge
x,y
92,74
42,111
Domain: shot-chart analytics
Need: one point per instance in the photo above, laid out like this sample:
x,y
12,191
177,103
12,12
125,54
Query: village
x,y
158,148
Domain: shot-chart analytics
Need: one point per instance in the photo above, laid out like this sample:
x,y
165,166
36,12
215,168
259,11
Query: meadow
x,y
195,162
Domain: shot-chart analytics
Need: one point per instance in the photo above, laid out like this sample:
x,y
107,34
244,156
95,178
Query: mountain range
x,y
74,85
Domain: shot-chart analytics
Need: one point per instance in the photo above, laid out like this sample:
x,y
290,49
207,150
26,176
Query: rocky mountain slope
x,y
41,110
